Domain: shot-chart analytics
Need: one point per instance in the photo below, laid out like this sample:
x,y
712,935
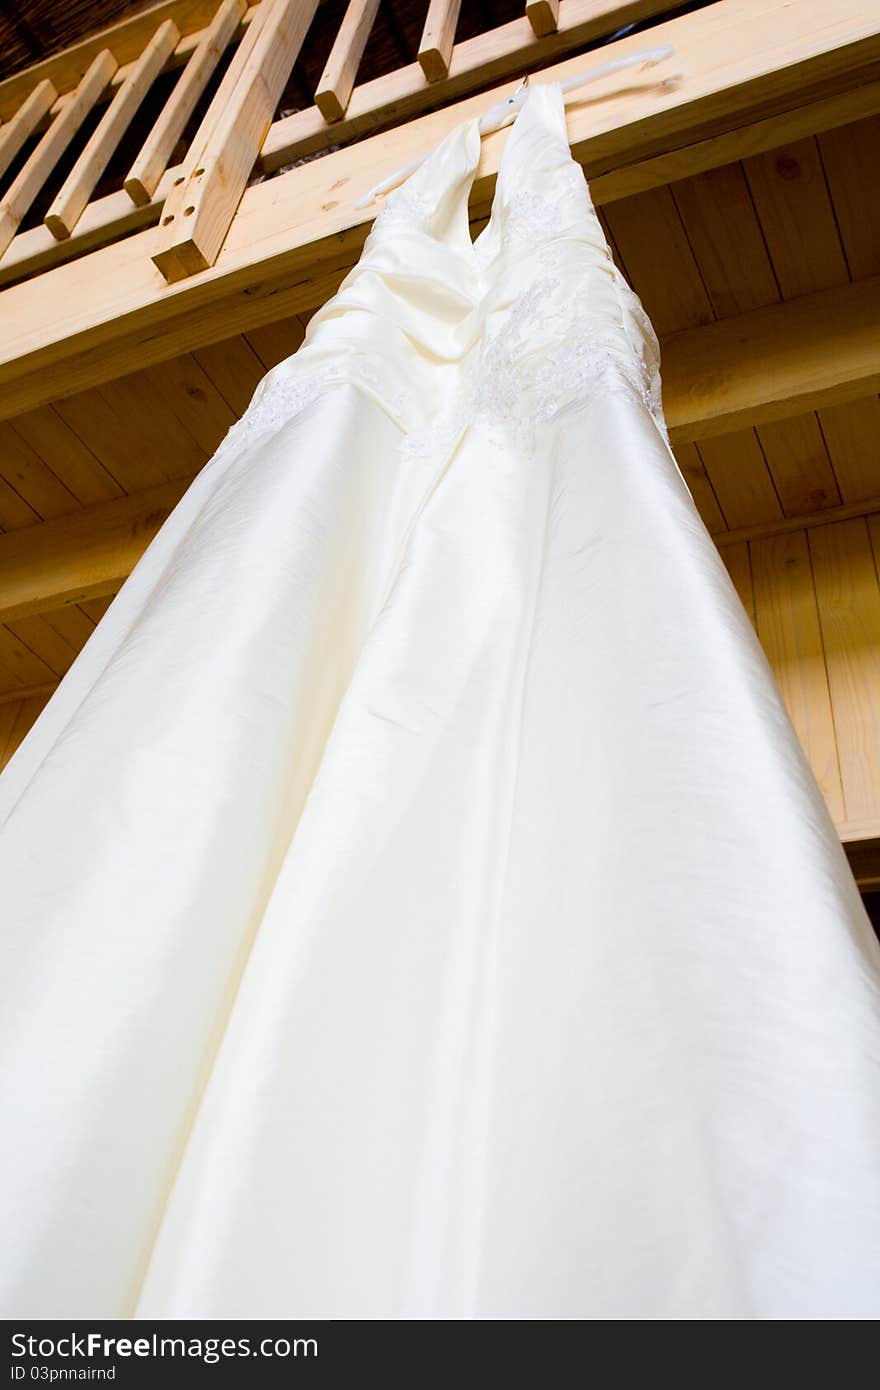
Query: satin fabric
x,y
415,901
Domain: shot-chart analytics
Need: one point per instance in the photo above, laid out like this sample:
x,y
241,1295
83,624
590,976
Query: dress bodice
x,y
505,331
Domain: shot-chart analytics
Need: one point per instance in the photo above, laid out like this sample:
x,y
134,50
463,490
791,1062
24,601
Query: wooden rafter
x,y
87,554
783,360
786,525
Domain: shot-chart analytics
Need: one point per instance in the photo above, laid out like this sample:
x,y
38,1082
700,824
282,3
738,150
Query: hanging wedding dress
x,y
415,900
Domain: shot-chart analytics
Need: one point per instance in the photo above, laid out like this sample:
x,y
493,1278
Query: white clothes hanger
x,y
505,112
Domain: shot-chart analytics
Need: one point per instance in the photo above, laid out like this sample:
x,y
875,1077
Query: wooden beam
x,y
109,313
438,39
861,842
758,137
146,172
88,553
175,209
225,91
199,210
337,80
770,363
77,189
27,692
200,326
782,360
84,555
31,177
24,122
868,506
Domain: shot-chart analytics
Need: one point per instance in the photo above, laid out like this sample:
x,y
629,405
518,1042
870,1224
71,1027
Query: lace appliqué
x,y
289,389
550,354
406,206
515,387
278,399
529,218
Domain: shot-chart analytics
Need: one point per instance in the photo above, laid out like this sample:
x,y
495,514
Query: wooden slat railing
x,y
197,200
25,121
126,40
147,170
80,183
33,174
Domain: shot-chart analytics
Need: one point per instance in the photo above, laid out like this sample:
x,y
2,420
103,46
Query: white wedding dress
x,y
415,902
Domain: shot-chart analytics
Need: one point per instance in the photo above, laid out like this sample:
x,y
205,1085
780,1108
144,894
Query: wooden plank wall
x,y
772,228
814,598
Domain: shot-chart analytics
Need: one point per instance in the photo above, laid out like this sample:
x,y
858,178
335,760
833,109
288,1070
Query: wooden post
x,y
197,214
151,163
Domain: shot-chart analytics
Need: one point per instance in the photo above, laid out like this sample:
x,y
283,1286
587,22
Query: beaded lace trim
x,y
529,216
278,399
405,207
